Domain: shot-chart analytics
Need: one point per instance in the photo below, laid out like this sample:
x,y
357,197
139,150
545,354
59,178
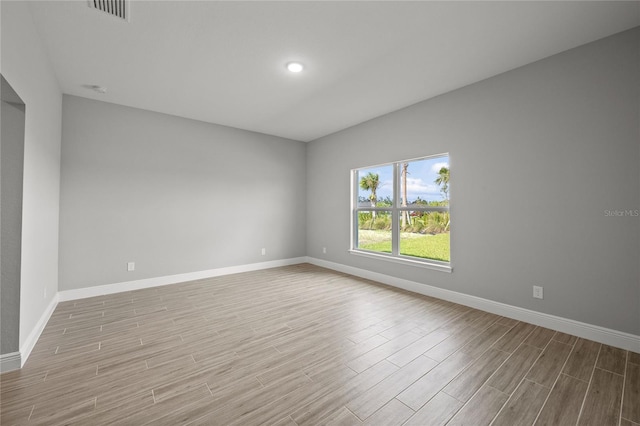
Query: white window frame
x,y
395,210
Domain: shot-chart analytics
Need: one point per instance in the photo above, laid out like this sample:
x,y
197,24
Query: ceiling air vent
x,y
117,8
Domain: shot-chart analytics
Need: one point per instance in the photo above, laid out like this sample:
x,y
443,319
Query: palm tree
x,y
405,214
370,182
443,181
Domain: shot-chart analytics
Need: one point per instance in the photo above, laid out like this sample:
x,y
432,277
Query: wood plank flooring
x,y
302,345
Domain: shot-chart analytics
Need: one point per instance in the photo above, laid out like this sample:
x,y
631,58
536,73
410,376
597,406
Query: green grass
x,y
426,246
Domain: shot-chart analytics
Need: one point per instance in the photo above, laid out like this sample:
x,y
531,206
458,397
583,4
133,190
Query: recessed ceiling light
x,y
295,66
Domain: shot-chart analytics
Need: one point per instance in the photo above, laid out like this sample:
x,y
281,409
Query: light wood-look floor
x,y
302,345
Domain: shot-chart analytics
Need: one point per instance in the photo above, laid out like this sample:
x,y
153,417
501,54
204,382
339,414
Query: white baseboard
x,y
587,331
607,336
32,339
9,362
83,293
16,360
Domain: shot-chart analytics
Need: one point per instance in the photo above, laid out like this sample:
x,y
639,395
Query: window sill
x,y
403,261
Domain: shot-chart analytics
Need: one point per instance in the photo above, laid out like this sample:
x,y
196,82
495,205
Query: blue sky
x,y
420,179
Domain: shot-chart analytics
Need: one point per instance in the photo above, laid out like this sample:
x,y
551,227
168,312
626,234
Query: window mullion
x,y
395,222
354,216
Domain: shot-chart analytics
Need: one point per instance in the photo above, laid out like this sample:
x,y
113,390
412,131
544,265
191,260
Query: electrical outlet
x,y
324,250
537,292
131,266
264,251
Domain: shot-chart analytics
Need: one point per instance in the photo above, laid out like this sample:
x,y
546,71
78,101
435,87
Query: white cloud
x,y
437,166
418,186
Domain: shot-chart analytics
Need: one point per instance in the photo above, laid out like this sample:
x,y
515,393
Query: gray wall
x,y
12,116
172,195
537,155
26,67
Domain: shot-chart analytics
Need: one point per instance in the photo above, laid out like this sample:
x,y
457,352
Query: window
x,y
400,212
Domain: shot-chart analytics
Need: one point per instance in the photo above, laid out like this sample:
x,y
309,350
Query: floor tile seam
x,y
413,380
556,379
562,373
488,378
471,363
349,384
612,372
624,383
191,421
524,376
464,404
590,383
629,420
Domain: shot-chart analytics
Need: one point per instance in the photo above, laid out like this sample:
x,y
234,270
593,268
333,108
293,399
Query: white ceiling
x,y
224,62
